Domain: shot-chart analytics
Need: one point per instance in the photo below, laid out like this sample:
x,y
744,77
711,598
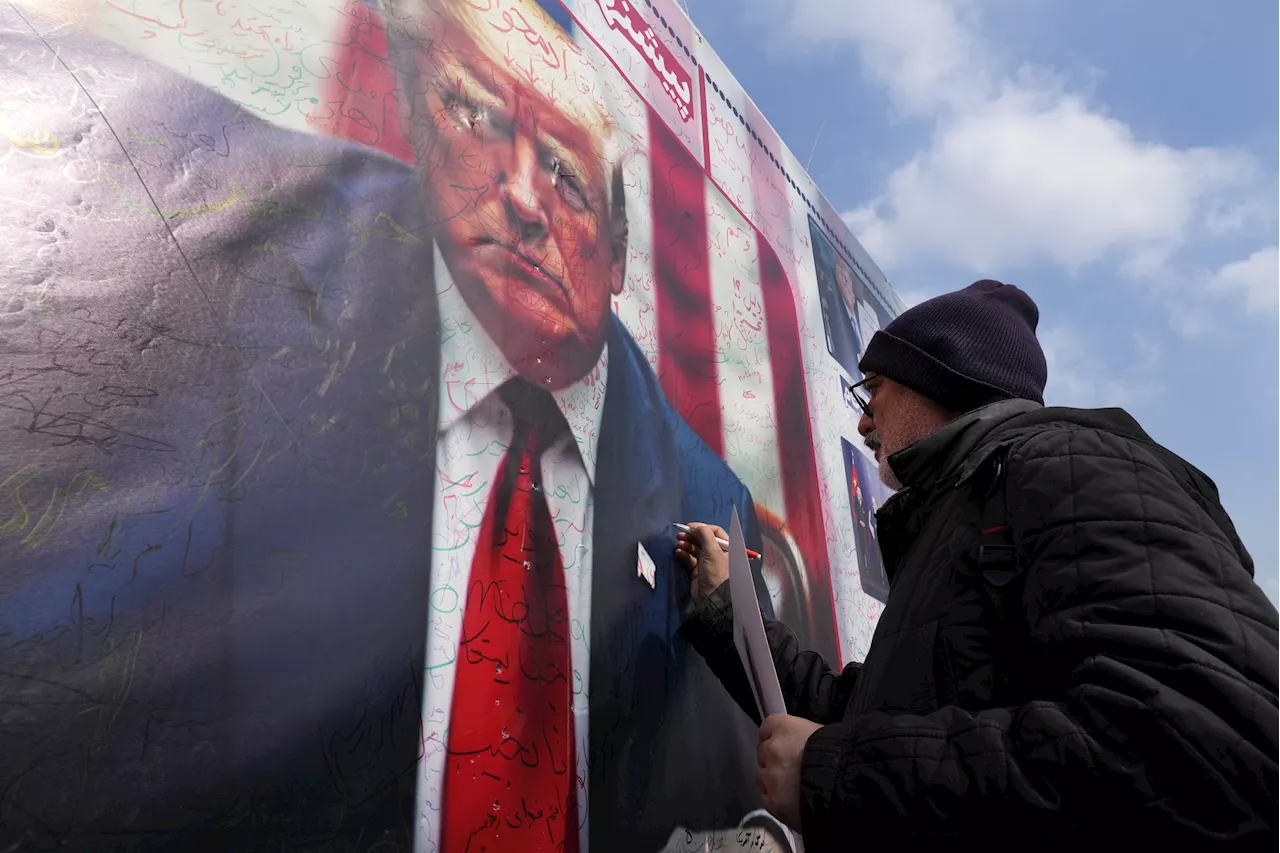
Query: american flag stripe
x,y
686,323
746,394
684,290
802,495
795,444
362,90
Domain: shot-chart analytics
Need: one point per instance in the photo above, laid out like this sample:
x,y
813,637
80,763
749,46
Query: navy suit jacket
x,y
666,746
218,390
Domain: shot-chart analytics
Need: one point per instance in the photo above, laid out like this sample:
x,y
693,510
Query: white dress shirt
x,y
474,431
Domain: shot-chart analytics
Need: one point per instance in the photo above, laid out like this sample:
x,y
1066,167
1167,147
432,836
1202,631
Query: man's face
x,y
899,418
522,205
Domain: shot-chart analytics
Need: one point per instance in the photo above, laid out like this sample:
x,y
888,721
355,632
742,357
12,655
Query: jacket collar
x,y
639,453
941,454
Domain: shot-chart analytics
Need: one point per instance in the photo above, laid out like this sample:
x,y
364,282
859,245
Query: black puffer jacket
x,y
1130,692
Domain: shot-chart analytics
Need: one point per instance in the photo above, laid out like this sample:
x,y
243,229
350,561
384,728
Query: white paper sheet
x,y
748,627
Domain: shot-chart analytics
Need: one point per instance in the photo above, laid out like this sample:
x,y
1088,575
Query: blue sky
x,y
1116,160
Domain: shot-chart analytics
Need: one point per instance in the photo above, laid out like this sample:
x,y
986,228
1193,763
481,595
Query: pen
x,y
723,543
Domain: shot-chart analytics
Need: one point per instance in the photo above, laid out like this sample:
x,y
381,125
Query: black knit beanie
x,y
964,349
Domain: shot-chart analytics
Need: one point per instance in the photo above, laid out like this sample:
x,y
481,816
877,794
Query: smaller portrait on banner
x,y
839,299
866,495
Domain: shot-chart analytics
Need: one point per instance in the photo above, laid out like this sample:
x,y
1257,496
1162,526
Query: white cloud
x,y
1256,279
1080,376
1027,177
1019,169
921,51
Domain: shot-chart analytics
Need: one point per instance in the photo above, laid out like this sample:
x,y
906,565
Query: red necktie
x,y
511,780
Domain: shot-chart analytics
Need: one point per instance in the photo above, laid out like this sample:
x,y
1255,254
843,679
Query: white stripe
x,y
636,306
745,375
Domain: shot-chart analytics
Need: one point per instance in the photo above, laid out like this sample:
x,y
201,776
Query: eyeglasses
x,y
858,392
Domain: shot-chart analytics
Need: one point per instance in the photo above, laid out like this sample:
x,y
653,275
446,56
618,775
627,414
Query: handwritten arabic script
x,y
676,81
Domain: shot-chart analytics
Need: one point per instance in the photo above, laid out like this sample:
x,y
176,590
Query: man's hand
x,y
701,554
782,740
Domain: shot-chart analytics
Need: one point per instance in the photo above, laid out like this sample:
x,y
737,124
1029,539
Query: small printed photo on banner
x,y
850,314
846,392
866,495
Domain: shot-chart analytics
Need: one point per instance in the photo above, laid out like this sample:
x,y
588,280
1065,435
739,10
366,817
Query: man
x,y
1073,650
230,551
521,171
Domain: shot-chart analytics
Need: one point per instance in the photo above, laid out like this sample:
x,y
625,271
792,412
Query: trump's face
x,y
522,200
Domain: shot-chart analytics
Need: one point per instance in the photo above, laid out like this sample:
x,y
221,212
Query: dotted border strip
x,y
831,232
689,56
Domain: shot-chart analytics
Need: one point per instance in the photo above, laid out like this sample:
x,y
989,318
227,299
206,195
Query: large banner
x,y
356,360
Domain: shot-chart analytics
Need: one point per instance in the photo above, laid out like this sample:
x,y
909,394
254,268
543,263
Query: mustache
x,y
872,441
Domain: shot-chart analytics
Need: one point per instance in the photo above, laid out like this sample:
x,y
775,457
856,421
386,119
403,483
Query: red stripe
x,y
360,101
686,327
801,495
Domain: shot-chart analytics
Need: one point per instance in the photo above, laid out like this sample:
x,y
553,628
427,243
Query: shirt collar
x,y
472,368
